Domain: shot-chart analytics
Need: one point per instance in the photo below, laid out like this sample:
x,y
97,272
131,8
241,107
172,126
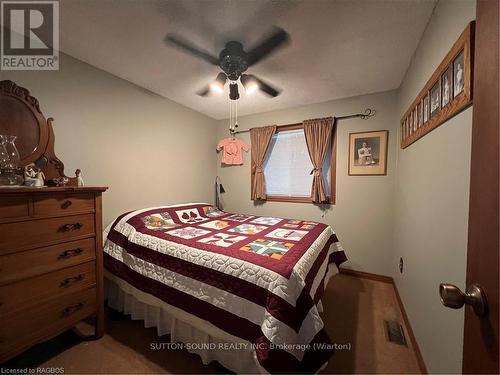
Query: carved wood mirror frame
x,y
20,115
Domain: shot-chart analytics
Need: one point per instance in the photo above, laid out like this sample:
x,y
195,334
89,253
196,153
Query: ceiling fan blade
x,y
276,39
266,87
216,85
188,47
204,91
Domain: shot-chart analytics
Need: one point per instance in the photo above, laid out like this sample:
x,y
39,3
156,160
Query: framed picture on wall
x,y
446,87
458,74
421,113
426,108
448,90
415,119
368,153
435,99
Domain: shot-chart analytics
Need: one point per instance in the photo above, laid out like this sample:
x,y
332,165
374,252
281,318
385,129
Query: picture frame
x,y
458,74
435,95
368,153
421,113
410,124
447,92
426,107
446,87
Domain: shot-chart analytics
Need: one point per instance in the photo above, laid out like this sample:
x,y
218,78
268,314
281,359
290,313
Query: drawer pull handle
x,y
70,253
72,309
69,227
71,280
66,204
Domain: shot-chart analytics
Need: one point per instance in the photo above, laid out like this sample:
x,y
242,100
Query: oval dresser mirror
x,y
20,116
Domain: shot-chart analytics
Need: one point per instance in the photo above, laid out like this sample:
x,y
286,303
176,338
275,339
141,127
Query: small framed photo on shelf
x,y
447,92
435,99
446,80
368,153
458,74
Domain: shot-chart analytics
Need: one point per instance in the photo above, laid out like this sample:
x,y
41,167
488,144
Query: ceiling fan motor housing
x,y
233,60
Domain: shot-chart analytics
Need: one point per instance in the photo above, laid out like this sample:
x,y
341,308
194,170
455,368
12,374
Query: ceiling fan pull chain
x,y
231,116
236,115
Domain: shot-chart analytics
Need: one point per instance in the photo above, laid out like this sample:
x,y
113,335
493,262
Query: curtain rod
x,y
363,116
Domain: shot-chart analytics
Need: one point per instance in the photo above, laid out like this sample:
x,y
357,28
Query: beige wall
x,y
147,149
363,214
432,200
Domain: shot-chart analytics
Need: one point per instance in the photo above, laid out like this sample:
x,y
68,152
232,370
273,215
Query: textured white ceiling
x,y
338,49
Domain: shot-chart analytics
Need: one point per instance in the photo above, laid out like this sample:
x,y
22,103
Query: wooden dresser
x,y
51,272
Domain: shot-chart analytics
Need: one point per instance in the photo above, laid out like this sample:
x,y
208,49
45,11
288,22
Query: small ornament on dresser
x,y
29,175
60,181
33,176
40,179
79,179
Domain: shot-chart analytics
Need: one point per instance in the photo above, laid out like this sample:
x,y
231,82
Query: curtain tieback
x,y
316,171
257,170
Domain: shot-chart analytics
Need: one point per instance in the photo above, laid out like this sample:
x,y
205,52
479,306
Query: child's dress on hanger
x,y
232,150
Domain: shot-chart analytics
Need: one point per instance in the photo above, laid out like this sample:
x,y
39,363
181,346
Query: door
x,y
480,353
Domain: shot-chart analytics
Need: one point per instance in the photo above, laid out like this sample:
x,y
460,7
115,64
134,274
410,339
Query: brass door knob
x,y
453,297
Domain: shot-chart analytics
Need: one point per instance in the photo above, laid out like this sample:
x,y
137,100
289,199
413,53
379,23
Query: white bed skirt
x,y
190,330
205,339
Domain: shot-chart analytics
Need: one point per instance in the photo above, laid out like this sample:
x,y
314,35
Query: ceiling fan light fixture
x,y
251,88
218,85
250,84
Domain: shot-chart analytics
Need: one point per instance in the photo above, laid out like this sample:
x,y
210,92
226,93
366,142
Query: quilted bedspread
x,y
257,278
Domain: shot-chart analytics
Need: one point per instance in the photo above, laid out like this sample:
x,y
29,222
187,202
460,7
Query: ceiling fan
x,y
234,61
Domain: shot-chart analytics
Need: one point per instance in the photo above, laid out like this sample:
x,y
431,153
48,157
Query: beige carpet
x,y
355,310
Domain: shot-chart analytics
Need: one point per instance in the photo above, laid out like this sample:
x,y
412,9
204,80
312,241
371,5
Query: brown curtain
x,y
261,139
318,134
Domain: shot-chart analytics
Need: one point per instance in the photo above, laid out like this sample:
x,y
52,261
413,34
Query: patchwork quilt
x,y
257,278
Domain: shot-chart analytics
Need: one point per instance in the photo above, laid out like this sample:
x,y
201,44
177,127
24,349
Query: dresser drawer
x,y
24,264
34,232
63,203
20,330
32,291
14,206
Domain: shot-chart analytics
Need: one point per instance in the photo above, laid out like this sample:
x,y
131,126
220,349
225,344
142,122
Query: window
x,y
287,168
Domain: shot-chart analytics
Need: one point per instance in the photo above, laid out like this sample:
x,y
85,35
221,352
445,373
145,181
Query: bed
x,y
244,290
